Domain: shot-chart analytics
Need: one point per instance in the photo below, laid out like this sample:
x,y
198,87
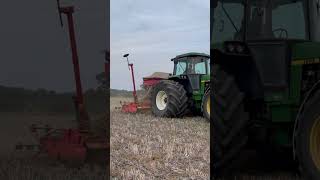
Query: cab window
x,y
180,67
200,67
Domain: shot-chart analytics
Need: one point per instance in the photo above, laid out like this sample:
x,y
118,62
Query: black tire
x,y
310,117
176,101
206,105
229,121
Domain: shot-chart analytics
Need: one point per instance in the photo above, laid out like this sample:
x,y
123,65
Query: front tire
x,y
308,139
206,105
229,121
169,99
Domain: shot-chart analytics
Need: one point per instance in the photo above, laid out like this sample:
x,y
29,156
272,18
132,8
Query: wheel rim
x,y
161,100
315,143
208,106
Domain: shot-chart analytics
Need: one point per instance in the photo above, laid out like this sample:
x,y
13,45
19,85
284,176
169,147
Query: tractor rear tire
x,y
230,121
206,105
169,99
308,139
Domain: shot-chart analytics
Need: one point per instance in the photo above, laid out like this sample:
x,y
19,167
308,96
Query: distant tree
x,y
41,92
52,92
102,81
90,91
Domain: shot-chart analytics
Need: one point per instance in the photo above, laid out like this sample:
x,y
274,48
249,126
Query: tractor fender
x,y
244,69
309,95
205,92
183,82
207,89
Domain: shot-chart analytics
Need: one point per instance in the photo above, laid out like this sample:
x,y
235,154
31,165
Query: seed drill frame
x,y
71,144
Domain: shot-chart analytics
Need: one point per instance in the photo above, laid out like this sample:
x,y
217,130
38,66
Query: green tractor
x,y
185,91
265,76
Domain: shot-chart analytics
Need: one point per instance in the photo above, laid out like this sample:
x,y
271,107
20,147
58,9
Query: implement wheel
x,y
308,139
229,122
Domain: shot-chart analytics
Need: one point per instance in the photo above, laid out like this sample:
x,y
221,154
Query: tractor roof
x,y
190,55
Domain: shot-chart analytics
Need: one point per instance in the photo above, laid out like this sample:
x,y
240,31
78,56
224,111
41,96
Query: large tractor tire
x,y
308,139
229,121
206,105
169,99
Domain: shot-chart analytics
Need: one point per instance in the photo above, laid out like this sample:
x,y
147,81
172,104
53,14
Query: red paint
x,y
134,84
130,107
82,115
75,60
150,82
69,146
133,107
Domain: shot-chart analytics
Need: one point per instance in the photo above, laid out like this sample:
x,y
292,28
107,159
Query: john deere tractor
x,y
186,90
265,75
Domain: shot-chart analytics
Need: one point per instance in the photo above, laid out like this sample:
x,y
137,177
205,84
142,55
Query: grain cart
x,y
266,76
186,90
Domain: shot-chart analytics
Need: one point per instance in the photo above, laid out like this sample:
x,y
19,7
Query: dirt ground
x,y
145,147
17,165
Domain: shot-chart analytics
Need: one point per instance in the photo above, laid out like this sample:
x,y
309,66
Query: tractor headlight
x,y
235,47
239,49
230,47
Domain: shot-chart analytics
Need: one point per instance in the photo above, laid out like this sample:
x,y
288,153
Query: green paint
x,y
305,50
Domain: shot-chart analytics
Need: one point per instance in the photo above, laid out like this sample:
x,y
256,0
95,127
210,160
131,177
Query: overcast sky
x,y
35,51
153,32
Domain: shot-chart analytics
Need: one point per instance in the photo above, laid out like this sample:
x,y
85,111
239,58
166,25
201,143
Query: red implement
x,y
131,107
72,144
69,146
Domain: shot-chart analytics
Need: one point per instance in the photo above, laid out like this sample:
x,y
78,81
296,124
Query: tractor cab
x,y
192,67
271,33
245,20
266,79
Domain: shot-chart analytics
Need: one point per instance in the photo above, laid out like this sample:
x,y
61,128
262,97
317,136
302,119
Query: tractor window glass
x,y
276,19
227,22
181,67
200,68
288,21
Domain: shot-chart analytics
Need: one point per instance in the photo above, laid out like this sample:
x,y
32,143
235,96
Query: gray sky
x,y
34,49
153,32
